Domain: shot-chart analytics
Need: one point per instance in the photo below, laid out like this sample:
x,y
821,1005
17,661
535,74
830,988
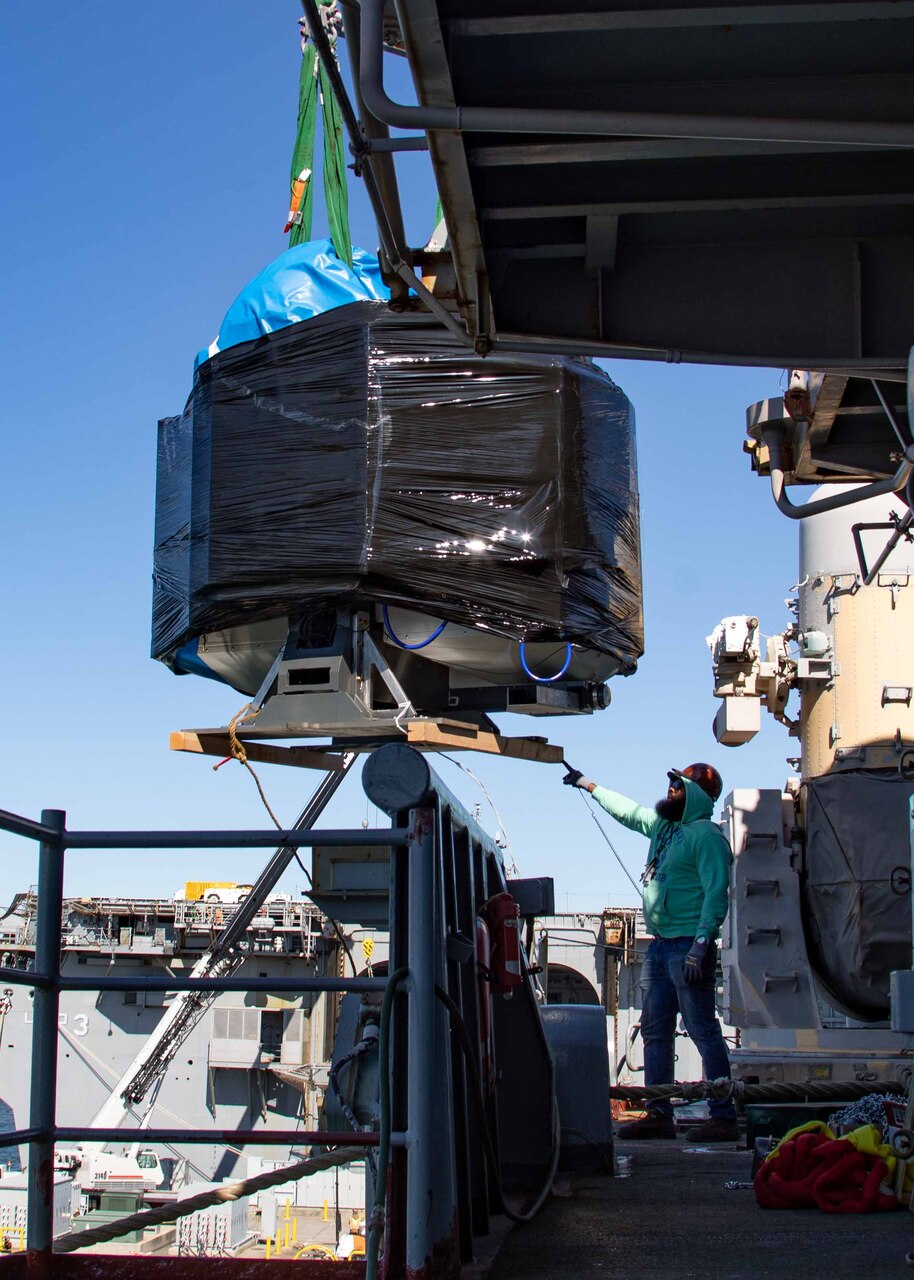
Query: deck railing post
x,y
430,1222
43,1101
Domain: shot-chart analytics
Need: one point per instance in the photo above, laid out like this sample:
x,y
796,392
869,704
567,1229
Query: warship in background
x,y
238,1061
246,1061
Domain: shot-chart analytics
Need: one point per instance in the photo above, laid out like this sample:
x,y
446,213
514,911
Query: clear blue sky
x,y
145,174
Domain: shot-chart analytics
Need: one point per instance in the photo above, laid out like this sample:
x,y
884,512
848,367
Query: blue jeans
x,y
665,993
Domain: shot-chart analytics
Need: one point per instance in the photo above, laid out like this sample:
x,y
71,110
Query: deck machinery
x,y
820,919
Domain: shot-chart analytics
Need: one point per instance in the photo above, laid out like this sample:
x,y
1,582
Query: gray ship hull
x,y
231,1071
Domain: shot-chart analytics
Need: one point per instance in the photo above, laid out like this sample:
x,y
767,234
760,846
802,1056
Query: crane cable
x,y
612,847
246,714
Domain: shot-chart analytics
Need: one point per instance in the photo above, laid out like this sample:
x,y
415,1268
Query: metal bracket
x,y
371,656
261,695
482,341
900,527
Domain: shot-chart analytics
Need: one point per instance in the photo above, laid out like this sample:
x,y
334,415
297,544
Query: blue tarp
x,y
301,283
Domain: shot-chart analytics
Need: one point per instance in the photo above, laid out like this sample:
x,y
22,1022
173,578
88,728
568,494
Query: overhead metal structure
x,y
727,184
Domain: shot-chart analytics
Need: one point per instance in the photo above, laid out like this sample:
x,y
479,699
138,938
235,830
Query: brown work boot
x,y
651,1126
714,1131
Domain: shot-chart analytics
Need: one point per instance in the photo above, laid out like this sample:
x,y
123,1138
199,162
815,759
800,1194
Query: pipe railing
x,y
773,438
47,982
443,867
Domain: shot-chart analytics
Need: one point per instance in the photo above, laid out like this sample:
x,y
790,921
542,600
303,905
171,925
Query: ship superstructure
x,y
244,1062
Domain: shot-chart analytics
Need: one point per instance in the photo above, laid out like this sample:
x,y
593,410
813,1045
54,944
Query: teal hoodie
x,y
686,890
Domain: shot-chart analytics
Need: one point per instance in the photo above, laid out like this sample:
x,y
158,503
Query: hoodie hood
x,y
698,804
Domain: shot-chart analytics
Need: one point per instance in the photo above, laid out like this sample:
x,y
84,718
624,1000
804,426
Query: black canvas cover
x,y
857,896
362,457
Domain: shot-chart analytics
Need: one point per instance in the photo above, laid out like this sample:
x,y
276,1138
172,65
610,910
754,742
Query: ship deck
x,y
674,1216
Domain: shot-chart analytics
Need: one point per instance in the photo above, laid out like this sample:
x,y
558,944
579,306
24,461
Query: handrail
x,y
440,841
303,983
26,827
29,829
47,982
237,1137
228,839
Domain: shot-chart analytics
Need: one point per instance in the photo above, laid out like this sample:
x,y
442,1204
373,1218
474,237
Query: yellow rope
x,y
237,752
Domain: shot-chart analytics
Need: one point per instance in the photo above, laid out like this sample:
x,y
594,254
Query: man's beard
x,y
671,808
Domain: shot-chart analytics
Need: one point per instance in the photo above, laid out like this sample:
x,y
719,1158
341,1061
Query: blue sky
x,y
146,168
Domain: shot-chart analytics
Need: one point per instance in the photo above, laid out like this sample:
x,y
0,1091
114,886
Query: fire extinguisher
x,y
484,996
503,918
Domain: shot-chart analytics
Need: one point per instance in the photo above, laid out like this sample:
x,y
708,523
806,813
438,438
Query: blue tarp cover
x,y
301,283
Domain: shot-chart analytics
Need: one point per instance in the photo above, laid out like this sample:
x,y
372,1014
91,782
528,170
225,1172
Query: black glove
x,y
574,778
693,965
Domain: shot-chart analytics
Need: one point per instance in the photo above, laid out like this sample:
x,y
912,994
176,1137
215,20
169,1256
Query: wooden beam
x,y
215,742
452,735
426,735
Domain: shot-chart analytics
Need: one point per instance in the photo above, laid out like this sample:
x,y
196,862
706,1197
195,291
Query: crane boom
x,y
221,959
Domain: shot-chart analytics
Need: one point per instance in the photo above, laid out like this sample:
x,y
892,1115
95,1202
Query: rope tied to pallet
x,y
237,751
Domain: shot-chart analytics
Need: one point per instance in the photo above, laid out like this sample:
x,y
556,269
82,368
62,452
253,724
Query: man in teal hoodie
x,y
686,895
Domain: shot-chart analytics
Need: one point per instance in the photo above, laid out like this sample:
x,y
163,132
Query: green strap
x,y
336,192
303,152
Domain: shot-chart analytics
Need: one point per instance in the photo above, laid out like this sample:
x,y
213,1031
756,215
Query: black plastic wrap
x,y
363,457
855,887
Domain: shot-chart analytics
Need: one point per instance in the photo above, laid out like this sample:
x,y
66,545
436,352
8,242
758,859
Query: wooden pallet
x,y
455,735
215,742
424,735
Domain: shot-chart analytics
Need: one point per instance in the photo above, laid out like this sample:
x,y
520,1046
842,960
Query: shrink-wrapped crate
x,y
364,457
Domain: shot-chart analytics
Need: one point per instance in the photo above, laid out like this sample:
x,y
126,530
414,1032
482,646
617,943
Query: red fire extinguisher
x,y
484,996
501,915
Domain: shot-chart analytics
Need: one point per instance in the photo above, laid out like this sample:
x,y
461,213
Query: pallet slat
x,y
450,734
216,743
424,735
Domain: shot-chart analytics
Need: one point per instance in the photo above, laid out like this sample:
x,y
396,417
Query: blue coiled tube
x,y
396,639
545,679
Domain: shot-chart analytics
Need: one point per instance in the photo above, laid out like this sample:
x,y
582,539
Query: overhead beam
x,y
562,21
604,151
616,209
536,252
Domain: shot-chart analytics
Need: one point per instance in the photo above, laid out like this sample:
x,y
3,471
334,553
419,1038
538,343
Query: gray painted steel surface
x,y
726,184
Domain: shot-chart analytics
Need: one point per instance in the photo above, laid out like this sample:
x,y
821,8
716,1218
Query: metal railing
x,y
47,982
441,1182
